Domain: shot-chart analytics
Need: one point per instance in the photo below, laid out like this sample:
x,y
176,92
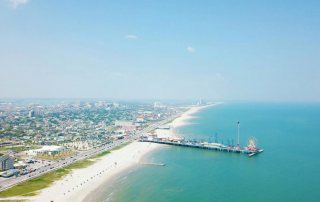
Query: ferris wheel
x,y
252,142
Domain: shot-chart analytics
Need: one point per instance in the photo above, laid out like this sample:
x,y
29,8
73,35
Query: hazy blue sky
x,y
222,50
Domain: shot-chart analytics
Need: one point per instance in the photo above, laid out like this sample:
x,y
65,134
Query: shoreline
x,y
182,120
185,117
108,183
83,184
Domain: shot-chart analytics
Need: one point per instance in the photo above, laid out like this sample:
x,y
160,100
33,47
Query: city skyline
x,y
266,51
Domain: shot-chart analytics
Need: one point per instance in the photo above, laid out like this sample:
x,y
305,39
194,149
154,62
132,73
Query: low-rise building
x,y
10,173
6,163
123,123
20,165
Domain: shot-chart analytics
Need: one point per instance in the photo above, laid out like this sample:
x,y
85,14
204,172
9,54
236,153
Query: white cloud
x,y
131,36
190,49
16,3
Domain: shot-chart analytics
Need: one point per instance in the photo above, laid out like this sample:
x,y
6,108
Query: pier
x,y
250,151
153,164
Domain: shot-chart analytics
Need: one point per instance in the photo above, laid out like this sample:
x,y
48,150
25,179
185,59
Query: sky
x,y
250,50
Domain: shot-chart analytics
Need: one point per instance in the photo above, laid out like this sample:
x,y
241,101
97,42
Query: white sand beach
x,y
184,119
81,182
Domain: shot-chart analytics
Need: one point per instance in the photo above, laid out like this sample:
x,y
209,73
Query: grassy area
x,y
33,186
80,164
18,148
55,157
120,146
101,154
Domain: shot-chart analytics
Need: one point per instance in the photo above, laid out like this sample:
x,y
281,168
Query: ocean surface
x,y
287,170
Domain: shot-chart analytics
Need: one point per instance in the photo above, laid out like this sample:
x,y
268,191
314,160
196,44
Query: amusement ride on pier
x,y
251,149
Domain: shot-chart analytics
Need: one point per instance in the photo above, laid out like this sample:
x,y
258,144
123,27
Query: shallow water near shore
x,y
287,170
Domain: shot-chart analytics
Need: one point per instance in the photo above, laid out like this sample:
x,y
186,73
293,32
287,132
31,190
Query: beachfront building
x,y
6,163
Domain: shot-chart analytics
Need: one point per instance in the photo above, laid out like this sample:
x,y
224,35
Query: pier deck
x,y
201,146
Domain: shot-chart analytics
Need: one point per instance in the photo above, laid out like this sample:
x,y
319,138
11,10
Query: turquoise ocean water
x,y
287,170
